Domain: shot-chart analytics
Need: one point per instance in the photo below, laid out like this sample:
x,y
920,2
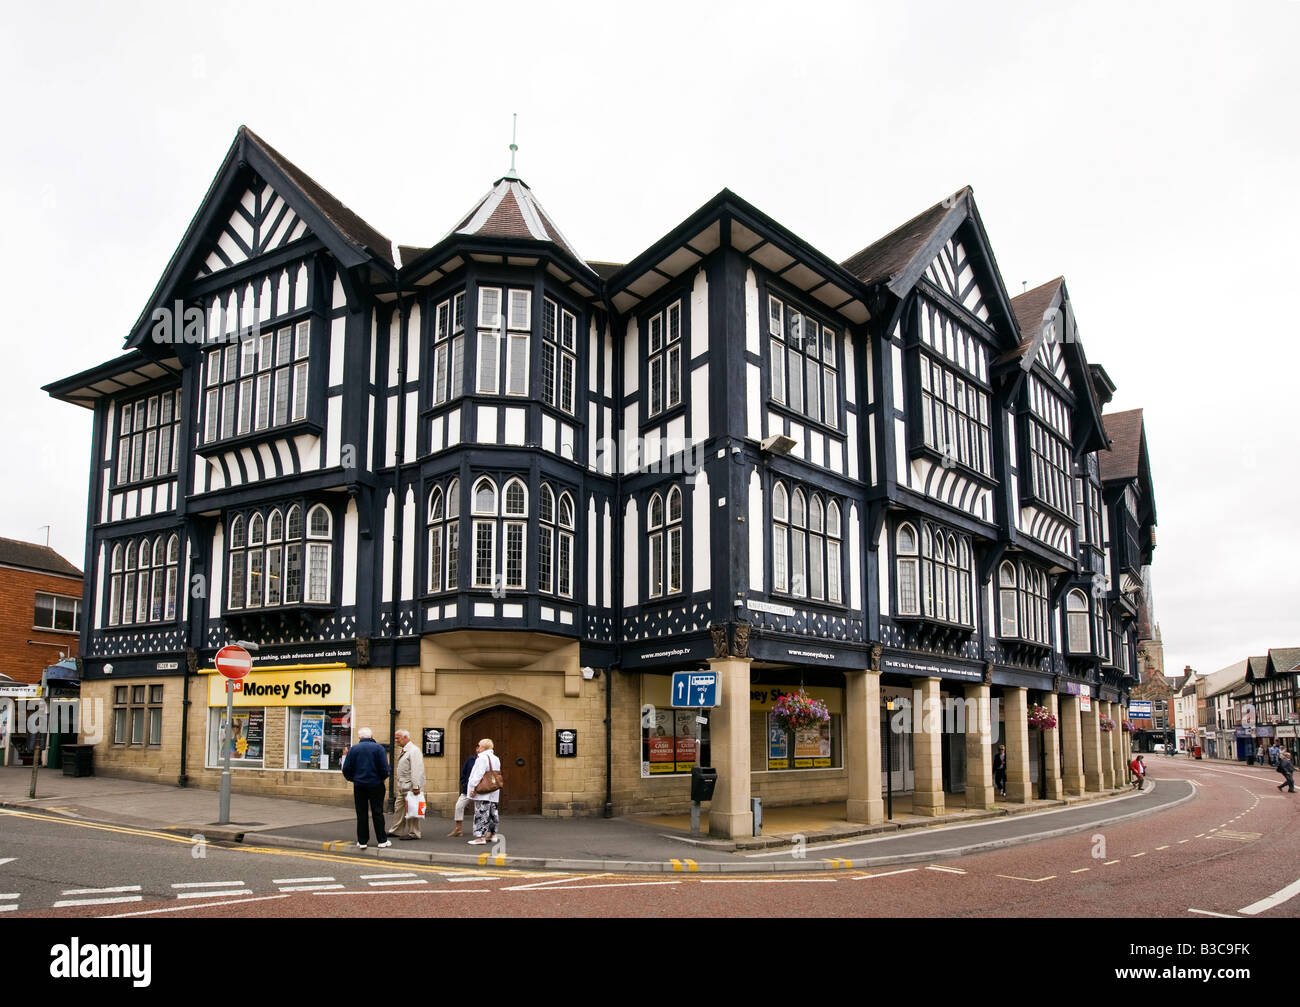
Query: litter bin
x,y
703,780
78,760
1196,752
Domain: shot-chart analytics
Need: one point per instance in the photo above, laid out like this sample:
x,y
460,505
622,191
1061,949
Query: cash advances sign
x,y
287,688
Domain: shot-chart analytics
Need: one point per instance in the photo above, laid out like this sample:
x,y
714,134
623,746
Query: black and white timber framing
x,y
731,444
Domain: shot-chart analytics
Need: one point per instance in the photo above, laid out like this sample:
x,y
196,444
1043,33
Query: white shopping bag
x,y
414,805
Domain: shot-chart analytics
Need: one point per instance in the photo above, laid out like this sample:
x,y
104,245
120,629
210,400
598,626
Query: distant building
x,y
40,609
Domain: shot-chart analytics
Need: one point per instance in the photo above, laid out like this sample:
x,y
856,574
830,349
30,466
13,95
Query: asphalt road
x,y
1228,852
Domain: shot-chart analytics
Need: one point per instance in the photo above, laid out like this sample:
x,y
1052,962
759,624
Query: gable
x,y
1052,357
952,272
260,222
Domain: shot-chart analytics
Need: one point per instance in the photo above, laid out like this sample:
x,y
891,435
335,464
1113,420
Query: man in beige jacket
x,y
409,780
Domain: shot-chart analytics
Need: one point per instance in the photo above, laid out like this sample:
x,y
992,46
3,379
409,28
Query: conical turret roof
x,y
510,210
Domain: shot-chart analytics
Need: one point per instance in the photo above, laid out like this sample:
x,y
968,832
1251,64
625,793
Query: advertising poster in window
x,y
245,736
663,747
778,745
311,738
686,728
812,747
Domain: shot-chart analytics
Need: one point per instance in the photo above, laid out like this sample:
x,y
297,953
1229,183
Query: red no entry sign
x,y
234,662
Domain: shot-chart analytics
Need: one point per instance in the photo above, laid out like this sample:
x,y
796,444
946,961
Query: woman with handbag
x,y
485,783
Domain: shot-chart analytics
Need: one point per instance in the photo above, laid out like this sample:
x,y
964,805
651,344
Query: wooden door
x,y
517,741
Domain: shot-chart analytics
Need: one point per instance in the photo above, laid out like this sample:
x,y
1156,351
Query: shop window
x,y
668,737
318,737
814,748
245,739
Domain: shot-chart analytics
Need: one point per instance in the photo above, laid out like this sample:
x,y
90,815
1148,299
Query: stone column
x,y
730,816
927,747
1122,747
1052,750
1015,714
1072,745
1090,723
862,729
1108,748
979,751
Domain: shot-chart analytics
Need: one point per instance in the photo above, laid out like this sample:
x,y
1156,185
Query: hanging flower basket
x,y
1041,718
1128,727
795,712
1106,723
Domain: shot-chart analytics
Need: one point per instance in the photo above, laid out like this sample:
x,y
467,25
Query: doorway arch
x,y
517,741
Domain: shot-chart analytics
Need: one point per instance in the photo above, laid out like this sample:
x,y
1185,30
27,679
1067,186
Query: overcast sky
x,y
1147,152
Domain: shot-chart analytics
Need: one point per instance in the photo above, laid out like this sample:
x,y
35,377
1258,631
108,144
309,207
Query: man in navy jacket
x,y
366,766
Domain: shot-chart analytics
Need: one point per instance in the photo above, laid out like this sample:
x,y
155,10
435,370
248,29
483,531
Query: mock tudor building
x,y
491,488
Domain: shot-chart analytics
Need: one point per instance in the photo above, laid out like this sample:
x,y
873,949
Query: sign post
x,y
234,662
696,690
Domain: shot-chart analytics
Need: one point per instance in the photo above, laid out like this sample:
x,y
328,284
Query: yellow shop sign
x,y
287,688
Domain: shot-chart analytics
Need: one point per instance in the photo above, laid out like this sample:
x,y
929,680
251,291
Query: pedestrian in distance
x,y
1000,770
458,815
1139,770
409,780
486,802
1286,766
366,767
1272,754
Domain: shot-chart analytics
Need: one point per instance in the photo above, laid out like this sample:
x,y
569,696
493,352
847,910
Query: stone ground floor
x,y
927,740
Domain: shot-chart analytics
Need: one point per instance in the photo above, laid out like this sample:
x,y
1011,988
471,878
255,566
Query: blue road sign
x,y
695,689
1139,709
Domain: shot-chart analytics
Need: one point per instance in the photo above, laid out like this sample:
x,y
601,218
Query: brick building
x,y
40,609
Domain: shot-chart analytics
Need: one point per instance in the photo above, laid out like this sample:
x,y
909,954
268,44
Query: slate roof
x,y
1029,308
886,258
605,269
510,210
1257,667
30,556
351,226
1283,659
1124,458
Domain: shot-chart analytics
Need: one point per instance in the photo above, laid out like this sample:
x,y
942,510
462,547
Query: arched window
x,y
654,525
173,572
964,583
435,524
515,505
940,579
238,542
256,560
545,539
274,558
954,610
444,537
816,549
780,539
674,540
565,586
834,573
905,548
453,535
798,545
319,553
483,503
142,583
115,588
1008,600
158,582
293,556
927,570
1076,614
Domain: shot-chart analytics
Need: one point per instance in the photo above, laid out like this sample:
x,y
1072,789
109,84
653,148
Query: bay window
x,y
559,360
143,581
444,538
503,333
148,439
934,570
806,540
277,558
449,349
257,383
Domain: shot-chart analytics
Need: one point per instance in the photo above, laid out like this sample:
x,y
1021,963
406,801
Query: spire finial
x,y
514,132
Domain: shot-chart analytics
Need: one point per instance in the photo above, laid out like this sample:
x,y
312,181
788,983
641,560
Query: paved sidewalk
x,y
654,843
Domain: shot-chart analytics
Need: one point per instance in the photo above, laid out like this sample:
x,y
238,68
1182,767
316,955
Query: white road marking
x,y
417,891
617,884
213,895
7,909
555,881
886,874
1276,899
207,884
10,895
767,881
296,881
101,891
408,881
306,888
182,909
367,877
1206,912
946,870
7,860
68,903
453,880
